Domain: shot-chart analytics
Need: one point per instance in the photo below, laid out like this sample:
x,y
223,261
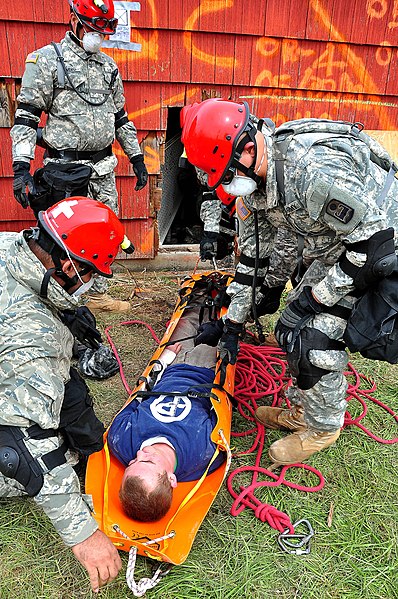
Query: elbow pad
x,y
380,259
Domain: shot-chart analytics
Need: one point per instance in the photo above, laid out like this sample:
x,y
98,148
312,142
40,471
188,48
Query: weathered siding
x,y
288,59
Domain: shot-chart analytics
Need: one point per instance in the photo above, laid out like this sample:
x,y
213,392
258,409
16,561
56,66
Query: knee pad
x,y
305,373
380,259
17,462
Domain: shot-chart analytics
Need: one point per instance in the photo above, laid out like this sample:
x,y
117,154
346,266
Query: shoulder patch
x,y
241,209
32,57
339,210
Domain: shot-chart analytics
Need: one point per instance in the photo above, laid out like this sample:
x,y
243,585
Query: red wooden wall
x,y
288,59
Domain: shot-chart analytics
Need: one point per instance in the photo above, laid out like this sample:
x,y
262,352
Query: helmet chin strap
x,y
69,282
249,171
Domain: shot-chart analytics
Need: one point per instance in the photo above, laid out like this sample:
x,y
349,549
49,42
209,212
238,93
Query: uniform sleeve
x,y
126,134
240,289
342,196
210,215
37,91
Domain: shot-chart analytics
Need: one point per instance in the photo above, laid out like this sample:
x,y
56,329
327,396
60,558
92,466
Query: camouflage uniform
x,y
72,124
35,359
309,176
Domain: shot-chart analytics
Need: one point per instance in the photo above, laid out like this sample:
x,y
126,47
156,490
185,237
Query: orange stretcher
x,y
169,539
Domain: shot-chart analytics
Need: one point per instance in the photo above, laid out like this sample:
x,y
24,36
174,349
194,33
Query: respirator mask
x,y
92,41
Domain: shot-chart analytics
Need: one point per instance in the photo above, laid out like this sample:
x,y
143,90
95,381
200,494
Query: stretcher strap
x,y
106,486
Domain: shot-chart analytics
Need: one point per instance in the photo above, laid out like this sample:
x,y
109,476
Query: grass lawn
x,y
354,556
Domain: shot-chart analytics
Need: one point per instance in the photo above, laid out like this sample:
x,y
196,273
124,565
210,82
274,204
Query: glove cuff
x,y
210,235
306,299
137,158
236,328
20,167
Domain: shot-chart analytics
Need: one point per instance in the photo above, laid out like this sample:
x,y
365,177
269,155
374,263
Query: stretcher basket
x,y
169,539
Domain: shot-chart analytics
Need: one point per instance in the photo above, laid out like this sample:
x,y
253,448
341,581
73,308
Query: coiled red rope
x,y
262,371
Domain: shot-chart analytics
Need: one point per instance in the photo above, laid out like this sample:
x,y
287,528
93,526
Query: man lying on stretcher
x,y
165,439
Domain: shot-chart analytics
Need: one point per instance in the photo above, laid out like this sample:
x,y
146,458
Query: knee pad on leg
x,y
306,374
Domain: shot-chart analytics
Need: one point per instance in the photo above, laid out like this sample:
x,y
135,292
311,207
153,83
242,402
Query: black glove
x,y
140,171
98,364
270,303
229,343
210,332
294,317
208,245
83,326
22,179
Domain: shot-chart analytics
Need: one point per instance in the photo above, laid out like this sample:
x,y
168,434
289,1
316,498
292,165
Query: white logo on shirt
x,y
170,409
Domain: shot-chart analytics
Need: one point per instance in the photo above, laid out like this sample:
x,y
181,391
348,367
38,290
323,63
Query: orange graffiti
x,y
394,23
207,7
352,61
304,65
152,159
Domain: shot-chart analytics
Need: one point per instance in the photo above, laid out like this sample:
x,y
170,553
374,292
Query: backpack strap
x,y
281,146
60,69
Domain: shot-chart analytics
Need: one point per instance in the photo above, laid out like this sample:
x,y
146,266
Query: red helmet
x,y
210,133
98,15
87,230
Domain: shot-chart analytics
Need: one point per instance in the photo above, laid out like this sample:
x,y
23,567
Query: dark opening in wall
x,y
178,217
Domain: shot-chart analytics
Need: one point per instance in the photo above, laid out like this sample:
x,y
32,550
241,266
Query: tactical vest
x,y
323,129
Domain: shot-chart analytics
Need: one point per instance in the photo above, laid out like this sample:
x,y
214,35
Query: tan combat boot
x,y
301,445
282,418
102,302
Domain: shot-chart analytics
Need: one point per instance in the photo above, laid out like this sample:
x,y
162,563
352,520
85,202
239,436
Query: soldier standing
x,y
81,91
46,415
335,188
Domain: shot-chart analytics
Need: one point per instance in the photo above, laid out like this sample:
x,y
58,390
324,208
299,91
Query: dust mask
x,y
92,41
83,288
240,186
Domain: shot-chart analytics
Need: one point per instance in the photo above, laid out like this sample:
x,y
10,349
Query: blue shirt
x,y
185,422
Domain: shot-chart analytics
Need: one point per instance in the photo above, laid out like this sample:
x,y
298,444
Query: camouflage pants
x,y
325,403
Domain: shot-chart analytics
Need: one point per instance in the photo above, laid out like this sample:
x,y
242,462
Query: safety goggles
x,y
101,24
229,175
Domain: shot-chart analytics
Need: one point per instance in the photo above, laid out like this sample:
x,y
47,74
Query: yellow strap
x,y
106,493
193,490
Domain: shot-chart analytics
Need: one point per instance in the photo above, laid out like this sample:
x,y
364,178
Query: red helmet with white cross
x,y
212,136
86,230
98,15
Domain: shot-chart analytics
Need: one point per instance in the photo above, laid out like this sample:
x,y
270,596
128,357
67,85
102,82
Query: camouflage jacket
x,y
313,178
35,357
71,122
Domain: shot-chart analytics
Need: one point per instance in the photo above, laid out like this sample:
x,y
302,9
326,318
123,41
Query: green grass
x,y
237,558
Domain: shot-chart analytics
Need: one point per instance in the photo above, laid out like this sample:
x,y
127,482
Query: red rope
x,y
354,392
262,371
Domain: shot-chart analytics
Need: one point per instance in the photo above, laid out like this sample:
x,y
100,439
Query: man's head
x,y
80,237
147,486
221,138
91,20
